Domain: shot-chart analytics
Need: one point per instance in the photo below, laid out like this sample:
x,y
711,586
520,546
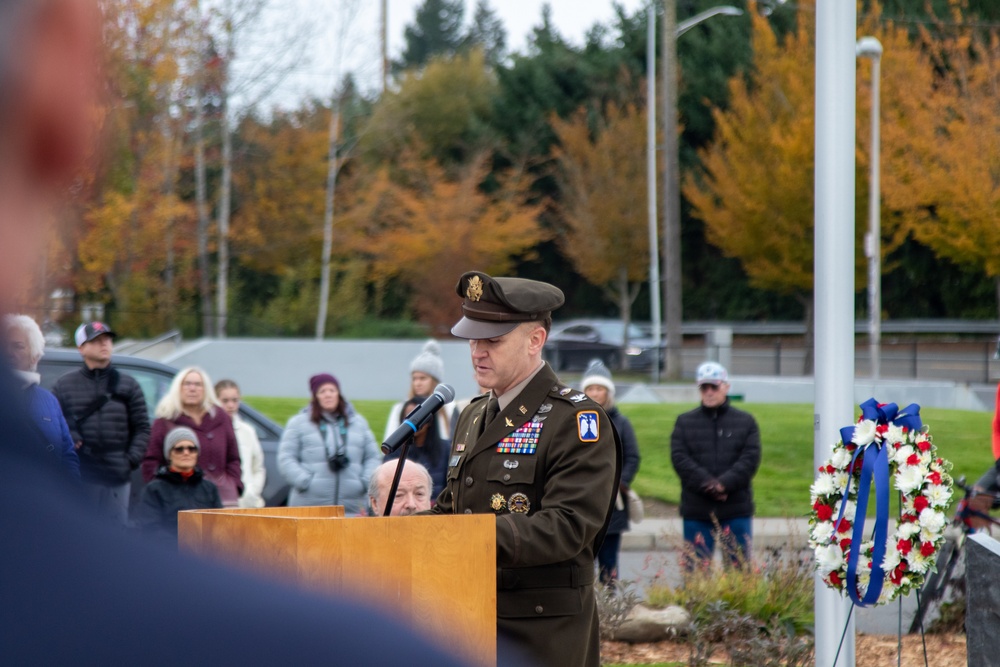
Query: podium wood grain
x,y
437,573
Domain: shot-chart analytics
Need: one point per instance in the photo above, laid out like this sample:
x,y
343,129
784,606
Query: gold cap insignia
x,y
497,502
475,290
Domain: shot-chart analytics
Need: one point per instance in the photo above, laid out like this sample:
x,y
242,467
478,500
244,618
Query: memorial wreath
x,y
886,442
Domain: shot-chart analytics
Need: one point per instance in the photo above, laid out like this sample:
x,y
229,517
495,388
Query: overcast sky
x,y
315,76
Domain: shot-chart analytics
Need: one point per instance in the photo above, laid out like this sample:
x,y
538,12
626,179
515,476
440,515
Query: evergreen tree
x,y
436,30
488,33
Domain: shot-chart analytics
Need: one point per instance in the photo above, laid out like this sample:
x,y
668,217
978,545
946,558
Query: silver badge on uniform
x,y
453,461
510,465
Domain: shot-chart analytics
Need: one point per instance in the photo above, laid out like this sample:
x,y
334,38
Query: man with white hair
x,y
25,346
412,495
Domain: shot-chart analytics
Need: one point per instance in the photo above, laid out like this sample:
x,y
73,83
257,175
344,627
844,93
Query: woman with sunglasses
x,y
178,486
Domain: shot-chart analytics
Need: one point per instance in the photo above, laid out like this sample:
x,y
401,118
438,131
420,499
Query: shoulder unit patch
x,y
588,426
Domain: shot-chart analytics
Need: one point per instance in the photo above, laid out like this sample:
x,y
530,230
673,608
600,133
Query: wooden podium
x,y
436,573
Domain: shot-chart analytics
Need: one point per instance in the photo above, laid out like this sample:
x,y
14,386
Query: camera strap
x,y
340,447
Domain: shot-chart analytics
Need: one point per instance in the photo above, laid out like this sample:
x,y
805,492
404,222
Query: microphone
x,y
420,416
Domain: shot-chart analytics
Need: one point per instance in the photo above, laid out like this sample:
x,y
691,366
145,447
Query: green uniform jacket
x,y
546,467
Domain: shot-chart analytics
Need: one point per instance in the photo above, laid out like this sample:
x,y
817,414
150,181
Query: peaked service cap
x,y
492,307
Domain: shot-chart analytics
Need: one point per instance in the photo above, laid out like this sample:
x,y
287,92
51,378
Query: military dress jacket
x,y
546,466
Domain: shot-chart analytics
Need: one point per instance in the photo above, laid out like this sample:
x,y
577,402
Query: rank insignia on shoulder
x,y
497,502
588,426
518,503
578,398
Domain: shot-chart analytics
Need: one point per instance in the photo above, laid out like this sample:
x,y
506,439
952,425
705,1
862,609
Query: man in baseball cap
x,y
87,332
715,450
107,418
543,459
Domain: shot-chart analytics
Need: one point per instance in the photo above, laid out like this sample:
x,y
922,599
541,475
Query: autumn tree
x,y
424,227
941,172
132,243
603,184
755,194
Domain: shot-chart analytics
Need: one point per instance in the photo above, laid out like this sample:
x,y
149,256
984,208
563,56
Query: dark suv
x,y
154,378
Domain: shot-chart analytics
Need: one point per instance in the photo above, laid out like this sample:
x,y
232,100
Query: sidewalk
x,y
666,534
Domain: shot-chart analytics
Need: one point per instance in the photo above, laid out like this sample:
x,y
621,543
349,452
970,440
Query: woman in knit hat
x,y
598,386
431,444
179,485
191,401
327,452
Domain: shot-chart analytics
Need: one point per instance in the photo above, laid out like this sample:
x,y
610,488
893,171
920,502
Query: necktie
x,y
492,410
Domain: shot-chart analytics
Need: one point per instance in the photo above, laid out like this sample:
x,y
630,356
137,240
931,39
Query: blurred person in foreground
x,y
25,346
327,452
58,615
108,420
544,460
431,443
598,385
190,401
254,474
412,495
178,486
715,450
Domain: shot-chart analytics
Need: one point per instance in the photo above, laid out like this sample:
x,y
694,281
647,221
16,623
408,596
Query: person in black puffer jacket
x,y
715,449
178,486
108,420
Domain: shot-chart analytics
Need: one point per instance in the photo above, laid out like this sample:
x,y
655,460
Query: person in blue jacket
x,y
25,345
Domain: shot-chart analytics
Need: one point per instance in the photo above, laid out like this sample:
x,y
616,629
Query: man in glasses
x,y
715,449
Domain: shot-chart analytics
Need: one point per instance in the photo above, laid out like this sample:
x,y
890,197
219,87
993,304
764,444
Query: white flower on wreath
x,y
829,558
895,434
864,433
903,453
909,479
931,524
891,559
840,481
841,458
850,510
918,563
938,494
824,485
905,532
822,532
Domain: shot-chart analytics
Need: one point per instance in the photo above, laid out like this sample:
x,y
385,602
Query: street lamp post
x,y
671,176
869,47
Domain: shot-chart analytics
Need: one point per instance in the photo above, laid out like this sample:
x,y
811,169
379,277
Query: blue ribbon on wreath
x,y
875,466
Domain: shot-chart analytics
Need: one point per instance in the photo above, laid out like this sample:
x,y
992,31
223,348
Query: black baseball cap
x,y
91,330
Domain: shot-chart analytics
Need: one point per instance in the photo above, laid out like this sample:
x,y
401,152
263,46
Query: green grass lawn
x,y
781,487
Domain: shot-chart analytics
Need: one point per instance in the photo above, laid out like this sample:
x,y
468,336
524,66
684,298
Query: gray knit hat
x,y
177,436
429,361
598,374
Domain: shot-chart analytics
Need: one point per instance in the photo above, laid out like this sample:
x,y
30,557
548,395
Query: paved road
x,y
650,554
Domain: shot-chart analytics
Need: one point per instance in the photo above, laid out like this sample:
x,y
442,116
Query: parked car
x,y
154,378
573,344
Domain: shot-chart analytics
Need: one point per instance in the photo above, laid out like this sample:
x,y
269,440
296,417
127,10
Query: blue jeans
x,y
607,557
736,533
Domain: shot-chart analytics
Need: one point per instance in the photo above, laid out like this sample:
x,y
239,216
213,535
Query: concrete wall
x,y
380,370
366,369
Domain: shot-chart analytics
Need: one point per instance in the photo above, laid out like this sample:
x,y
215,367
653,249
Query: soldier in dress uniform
x,y
544,459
